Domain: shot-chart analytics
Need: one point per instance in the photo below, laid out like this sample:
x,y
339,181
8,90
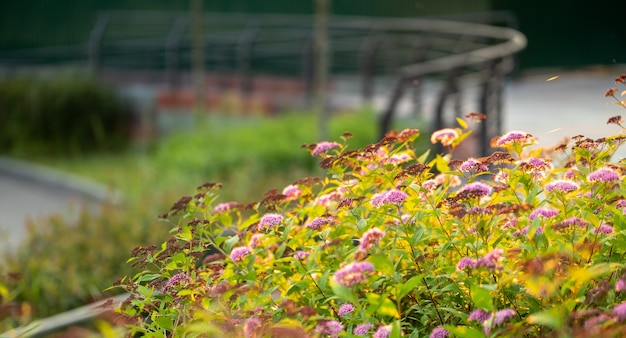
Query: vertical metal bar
x,y
322,47
198,57
244,57
94,48
387,116
172,50
367,57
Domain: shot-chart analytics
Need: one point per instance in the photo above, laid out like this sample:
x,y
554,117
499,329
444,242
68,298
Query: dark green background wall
x,y
566,33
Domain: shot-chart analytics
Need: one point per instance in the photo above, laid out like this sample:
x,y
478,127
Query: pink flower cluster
x,y
439,332
474,190
318,222
382,332
353,273
545,212
362,329
562,186
178,278
239,253
472,164
603,229
323,147
269,221
489,261
292,191
603,175
445,136
223,207
370,238
345,309
393,196
515,137
331,328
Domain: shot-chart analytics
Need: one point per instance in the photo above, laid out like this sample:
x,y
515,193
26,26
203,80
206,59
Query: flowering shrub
x,y
523,242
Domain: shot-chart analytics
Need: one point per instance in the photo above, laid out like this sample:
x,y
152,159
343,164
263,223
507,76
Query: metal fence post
x,y
172,50
94,48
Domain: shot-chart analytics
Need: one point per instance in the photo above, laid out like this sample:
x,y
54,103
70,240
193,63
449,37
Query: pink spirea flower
x,y
562,186
445,136
502,316
472,164
177,279
318,222
255,240
406,218
353,273
270,220
292,191
620,311
510,223
465,262
475,189
621,203
239,253
429,184
479,315
545,212
370,238
594,321
399,158
490,260
223,207
439,332
323,147
502,177
382,332
326,199
575,221
331,327
301,255
393,196
251,327
345,309
603,229
362,329
603,175
620,285
515,137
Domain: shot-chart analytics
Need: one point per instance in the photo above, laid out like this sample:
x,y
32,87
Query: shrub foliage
x,y
66,114
524,242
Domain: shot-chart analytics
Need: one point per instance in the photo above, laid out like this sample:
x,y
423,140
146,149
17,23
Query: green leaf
x,y
481,298
361,224
343,292
465,331
165,322
396,330
230,242
551,317
461,122
149,277
404,288
382,264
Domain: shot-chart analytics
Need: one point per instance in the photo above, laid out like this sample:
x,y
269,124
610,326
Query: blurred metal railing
x,y
476,48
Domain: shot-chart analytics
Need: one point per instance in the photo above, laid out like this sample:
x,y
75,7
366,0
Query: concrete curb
x,y
56,179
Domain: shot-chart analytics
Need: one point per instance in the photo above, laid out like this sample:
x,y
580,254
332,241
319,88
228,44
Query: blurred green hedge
x,y
65,114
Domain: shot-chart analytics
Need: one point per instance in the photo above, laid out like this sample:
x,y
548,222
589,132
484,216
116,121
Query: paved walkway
x,y
569,105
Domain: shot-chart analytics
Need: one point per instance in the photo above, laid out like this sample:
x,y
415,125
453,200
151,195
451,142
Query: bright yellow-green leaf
x,y
552,318
461,122
481,298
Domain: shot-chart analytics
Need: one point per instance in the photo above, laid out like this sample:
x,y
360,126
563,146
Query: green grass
x,y
248,155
